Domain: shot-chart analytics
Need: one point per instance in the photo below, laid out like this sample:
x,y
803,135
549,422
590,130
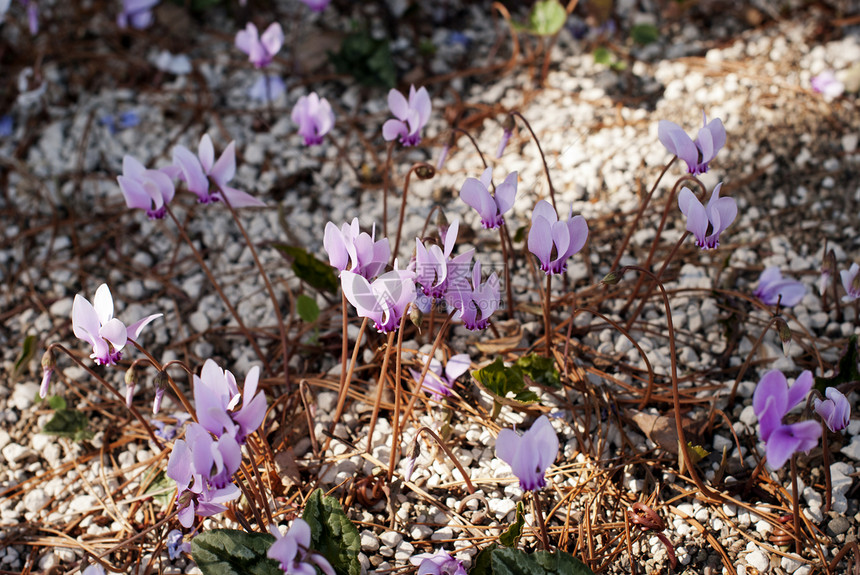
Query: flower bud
x,y
160,383
612,278
784,334
130,384
48,364
425,171
416,317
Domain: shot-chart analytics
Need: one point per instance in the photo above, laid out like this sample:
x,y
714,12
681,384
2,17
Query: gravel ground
x,y
791,161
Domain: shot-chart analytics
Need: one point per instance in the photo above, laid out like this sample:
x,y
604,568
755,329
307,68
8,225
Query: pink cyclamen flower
x,y
439,563
835,411
828,85
316,5
201,173
773,288
202,468
411,116
772,400
530,454
350,249
435,269
217,396
96,325
719,213
292,550
136,13
697,154
491,208
314,118
261,50
553,241
148,190
385,300
851,283
474,302
438,381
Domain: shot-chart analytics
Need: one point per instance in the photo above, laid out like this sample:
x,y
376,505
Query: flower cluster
x,y
151,190
491,208
772,400
553,241
350,249
202,465
697,154
410,116
716,216
261,49
96,325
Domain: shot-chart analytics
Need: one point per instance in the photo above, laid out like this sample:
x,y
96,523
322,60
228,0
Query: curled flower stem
x,y
449,453
670,203
380,386
199,257
658,277
474,143
415,166
146,426
683,449
542,156
176,391
639,214
265,277
825,454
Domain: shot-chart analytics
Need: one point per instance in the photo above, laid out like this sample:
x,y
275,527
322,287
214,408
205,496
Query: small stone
x,y
758,560
369,541
391,538
443,534
420,532
790,564
748,416
838,525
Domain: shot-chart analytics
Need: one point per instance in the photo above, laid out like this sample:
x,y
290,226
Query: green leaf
x,y
69,423
515,562
332,533
520,234
846,370
316,273
161,489
56,402
540,369
511,537
367,59
482,565
28,350
307,308
233,552
546,18
644,34
602,55
500,381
